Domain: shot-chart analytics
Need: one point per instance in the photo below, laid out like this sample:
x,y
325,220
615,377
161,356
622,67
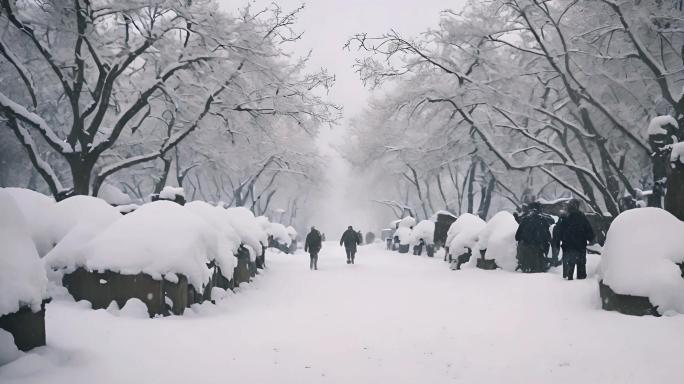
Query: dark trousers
x,y
314,260
574,258
351,252
531,257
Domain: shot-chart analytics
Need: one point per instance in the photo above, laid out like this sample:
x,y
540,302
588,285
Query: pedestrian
x,y
533,239
572,234
350,239
313,246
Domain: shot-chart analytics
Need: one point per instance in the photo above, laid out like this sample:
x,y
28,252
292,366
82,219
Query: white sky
x,y
327,24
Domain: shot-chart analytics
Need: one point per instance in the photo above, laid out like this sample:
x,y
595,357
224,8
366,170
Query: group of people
x,y
571,234
314,242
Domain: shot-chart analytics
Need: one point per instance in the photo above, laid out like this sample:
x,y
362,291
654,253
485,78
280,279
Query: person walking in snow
x,y
572,234
533,239
350,239
313,245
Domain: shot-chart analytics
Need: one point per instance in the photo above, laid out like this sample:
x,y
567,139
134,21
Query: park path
x,y
390,318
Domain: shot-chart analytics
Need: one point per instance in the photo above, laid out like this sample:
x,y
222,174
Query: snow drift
x,y
640,257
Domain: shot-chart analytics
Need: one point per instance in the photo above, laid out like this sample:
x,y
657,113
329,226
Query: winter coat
x,y
573,232
350,239
534,229
313,242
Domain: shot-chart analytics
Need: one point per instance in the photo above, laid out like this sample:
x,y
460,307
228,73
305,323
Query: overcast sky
x,y
327,24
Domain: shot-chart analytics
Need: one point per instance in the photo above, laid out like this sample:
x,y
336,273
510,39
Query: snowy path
x,y
388,319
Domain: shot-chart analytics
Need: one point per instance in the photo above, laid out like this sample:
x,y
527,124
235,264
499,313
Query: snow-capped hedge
x,y
292,232
424,230
640,257
404,235
463,233
37,209
158,239
407,222
251,232
22,275
498,238
229,239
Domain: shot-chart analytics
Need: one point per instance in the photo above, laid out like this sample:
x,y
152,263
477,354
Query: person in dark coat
x,y
533,239
313,246
350,239
572,234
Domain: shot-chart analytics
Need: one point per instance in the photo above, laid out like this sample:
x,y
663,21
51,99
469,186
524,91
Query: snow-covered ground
x,y
390,318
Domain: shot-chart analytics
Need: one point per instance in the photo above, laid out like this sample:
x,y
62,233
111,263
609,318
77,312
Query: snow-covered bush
x,y
498,238
74,227
250,230
424,230
38,211
22,274
229,239
404,235
292,232
407,222
161,238
171,193
463,233
113,195
640,257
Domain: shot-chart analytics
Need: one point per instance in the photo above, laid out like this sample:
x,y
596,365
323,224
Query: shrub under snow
x,y
158,239
22,275
228,237
498,238
424,230
250,230
37,209
463,233
640,257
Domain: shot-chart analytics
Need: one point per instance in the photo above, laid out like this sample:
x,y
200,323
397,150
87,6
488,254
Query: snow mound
x,y
292,232
677,153
159,238
23,281
655,127
407,222
248,227
463,233
228,238
424,230
170,193
404,234
640,257
134,308
498,238
280,233
8,350
113,195
86,210
37,209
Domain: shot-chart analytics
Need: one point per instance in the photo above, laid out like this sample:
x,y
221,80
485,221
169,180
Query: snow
x,y
159,238
134,308
85,210
463,233
170,193
404,234
250,230
424,230
279,232
407,222
445,213
22,276
655,127
37,209
228,238
677,153
8,351
292,232
389,318
498,238
640,260
113,195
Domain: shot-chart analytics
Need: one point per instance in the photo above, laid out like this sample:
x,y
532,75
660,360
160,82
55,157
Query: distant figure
x,y
533,239
313,246
350,239
572,233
